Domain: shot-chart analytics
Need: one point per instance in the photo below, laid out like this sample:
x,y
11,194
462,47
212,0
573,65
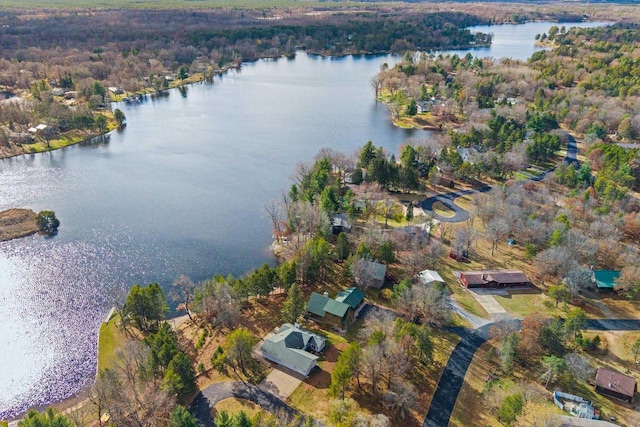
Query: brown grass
x,y
16,223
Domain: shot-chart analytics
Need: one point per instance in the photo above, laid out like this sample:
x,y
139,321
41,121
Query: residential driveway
x,y
207,399
281,383
486,299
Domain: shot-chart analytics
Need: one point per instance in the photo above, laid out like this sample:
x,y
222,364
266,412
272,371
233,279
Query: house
x,y
370,273
340,223
429,277
424,106
58,91
467,153
493,279
339,313
291,347
605,280
115,90
616,385
39,129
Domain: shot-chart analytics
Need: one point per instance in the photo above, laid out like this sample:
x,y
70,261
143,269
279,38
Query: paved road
x,y
452,378
447,199
572,150
460,215
207,399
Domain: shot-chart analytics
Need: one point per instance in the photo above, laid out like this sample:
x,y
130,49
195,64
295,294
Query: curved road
x,y
207,399
452,379
460,215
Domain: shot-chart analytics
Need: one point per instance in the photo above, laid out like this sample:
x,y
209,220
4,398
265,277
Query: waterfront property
x,y
493,279
616,385
605,280
338,313
292,348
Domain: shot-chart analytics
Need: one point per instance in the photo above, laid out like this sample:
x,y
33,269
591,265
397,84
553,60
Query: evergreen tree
x,y
293,306
180,377
50,418
409,215
342,248
180,417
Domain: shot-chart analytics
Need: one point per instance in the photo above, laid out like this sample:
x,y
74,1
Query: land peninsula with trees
x,y
552,220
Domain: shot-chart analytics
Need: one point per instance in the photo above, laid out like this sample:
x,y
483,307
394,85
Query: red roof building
x,y
616,385
493,279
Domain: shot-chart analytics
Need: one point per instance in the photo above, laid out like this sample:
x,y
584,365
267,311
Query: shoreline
x,y
16,223
202,77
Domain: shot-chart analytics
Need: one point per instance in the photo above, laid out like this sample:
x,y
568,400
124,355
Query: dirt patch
x,y
16,223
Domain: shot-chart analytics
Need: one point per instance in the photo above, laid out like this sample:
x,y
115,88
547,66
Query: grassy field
x,y
233,406
110,338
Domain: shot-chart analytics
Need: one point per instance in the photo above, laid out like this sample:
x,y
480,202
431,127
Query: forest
x,y
504,124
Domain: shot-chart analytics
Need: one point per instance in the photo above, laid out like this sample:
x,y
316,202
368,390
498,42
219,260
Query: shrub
x,y
510,408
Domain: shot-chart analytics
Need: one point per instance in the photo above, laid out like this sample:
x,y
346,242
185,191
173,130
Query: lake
x,y
179,191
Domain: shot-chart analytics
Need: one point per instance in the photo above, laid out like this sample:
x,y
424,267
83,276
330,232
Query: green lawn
x,y
523,304
110,338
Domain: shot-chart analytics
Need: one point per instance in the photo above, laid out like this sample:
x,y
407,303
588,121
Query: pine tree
x,y
293,305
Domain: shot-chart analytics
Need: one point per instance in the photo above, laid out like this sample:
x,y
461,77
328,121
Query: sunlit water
x,y
180,190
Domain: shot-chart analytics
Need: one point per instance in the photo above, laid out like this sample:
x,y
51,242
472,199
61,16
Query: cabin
x,y
616,385
371,273
494,279
340,223
292,348
430,277
605,280
424,106
467,154
338,313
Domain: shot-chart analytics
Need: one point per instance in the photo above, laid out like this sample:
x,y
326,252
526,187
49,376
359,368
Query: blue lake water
x,y
179,191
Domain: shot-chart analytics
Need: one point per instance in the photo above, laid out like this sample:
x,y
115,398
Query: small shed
x,y
340,223
616,385
605,280
429,277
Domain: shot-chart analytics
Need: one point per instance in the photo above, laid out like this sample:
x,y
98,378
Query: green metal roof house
x,y
291,347
339,312
605,279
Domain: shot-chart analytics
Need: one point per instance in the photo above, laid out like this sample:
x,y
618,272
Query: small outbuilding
x,y
605,280
493,279
616,385
340,223
429,277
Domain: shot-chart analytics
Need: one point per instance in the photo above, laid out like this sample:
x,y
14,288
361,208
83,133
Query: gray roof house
x,y
291,347
374,273
429,277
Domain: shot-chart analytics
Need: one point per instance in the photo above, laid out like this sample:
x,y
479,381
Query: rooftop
x,y
498,276
289,345
615,381
605,278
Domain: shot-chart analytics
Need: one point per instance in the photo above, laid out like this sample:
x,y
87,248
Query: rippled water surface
x,y
180,190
